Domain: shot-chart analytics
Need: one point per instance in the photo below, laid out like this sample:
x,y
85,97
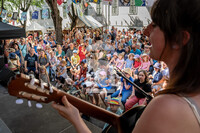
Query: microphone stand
x,y
120,73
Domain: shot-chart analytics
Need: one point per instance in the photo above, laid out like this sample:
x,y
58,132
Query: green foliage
x,y
22,5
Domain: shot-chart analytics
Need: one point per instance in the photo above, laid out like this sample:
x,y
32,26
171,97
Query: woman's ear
x,y
186,37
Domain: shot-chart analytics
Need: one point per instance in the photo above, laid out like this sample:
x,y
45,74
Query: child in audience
x,y
114,106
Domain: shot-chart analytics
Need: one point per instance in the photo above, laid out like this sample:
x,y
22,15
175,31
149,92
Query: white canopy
x,y
94,21
34,26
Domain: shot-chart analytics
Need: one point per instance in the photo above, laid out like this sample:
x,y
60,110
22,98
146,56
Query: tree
x,y
73,17
57,19
21,6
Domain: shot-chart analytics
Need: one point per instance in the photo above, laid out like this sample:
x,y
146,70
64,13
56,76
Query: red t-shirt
x,y
81,54
137,64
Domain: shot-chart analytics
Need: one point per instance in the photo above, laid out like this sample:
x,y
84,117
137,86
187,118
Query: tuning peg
x,y
51,88
42,85
32,82
39,105
29,103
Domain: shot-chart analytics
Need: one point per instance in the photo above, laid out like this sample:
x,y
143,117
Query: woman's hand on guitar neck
x,y
71,113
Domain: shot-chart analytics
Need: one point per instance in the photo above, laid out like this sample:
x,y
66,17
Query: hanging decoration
x,y
60,2
23,16
35,15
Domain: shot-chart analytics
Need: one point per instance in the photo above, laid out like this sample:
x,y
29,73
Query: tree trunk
x,y
57,20
73,17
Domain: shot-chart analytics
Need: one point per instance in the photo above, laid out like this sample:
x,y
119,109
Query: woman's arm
x,y
71,113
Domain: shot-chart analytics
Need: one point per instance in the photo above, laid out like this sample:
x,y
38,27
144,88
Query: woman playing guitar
x,y
175,37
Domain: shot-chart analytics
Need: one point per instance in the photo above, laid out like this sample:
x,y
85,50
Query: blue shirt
x,y
157,77
23,48
137,51
129,63
127,83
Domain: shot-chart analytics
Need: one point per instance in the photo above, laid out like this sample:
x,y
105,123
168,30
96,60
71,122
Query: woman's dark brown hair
x,y
145,74
174,17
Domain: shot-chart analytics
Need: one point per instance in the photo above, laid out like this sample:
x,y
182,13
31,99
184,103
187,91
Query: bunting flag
x,y
35,15
86,4
4,13
9,15
23,16
75,1
68,6
60,2
15,15
17,21
140,2
95,1
45,13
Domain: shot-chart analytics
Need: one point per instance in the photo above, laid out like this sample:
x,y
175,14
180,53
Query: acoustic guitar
x,y
21,87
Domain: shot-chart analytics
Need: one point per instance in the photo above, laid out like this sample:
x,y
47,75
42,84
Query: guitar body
x,y
128,120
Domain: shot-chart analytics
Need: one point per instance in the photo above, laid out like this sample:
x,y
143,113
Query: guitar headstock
x,y
21,87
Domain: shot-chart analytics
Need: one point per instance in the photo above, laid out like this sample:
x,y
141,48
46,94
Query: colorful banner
x,y
140,2
45,13
23,16
15,15
9,15
124,2
35,15
60,2
95,1
75,1
67,6
4,13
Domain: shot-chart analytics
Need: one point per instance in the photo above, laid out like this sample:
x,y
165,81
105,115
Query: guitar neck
x,y
90,109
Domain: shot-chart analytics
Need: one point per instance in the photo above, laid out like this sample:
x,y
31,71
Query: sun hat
x,y
115,54
114,101
144,55
108,55
13,56
157,65
131,54
136,56
103,73
127,70
74,51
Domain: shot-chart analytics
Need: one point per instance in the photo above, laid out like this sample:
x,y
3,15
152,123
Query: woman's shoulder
x,y
167,113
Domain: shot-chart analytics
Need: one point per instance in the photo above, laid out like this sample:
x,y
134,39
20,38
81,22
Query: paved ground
x,y
22,119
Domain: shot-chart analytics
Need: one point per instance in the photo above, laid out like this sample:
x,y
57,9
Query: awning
x,y
89,21
10,32
94,21
35,27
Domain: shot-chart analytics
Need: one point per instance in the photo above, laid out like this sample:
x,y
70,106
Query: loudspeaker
x,y
5,75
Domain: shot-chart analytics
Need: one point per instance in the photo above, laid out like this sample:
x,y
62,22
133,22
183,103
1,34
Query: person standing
x,y
30,62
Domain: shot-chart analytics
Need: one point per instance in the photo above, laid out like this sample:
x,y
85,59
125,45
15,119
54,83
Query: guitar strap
x,y
194,107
